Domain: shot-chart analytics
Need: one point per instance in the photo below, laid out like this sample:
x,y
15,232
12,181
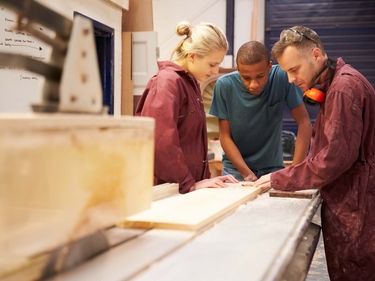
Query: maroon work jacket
x,y
341,164
173,98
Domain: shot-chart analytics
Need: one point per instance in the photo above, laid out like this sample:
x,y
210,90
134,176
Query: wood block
x,y
246,183
194,210
63,177
304,194
288,163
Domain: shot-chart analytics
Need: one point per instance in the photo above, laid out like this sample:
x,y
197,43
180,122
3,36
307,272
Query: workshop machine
x,y
76,194
68,169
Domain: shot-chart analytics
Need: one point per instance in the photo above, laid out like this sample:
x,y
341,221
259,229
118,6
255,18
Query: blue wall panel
x,y
346,28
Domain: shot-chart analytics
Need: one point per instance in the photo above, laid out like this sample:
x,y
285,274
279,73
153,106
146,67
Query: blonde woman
x,y
173,98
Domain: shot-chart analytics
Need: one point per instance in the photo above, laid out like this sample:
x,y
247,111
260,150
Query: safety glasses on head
x,y
294,36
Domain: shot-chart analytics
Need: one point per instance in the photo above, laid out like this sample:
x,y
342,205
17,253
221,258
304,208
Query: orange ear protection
x,y
314,96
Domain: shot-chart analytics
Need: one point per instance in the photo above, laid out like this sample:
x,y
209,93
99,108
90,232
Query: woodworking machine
x,y
75,182
72,75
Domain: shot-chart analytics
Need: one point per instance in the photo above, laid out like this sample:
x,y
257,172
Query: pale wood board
x,y
194,210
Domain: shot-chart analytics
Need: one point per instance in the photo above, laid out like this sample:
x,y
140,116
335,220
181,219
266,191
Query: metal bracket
x,y
80,86
72,81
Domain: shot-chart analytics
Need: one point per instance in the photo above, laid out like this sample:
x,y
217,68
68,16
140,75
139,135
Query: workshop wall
x,y
247,23
168,13
20,88
346,28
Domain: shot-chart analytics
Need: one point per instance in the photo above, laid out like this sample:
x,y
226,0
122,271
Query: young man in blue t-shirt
x,y
250,104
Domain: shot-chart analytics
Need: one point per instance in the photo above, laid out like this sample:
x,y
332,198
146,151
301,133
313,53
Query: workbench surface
x,y
257,241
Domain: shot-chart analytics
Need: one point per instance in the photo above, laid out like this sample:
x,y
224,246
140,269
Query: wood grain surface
x,y
194,210
63,177
303,194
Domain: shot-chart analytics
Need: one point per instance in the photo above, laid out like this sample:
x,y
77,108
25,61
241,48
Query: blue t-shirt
x,y
255,120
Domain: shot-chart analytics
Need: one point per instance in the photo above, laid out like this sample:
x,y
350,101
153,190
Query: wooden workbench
x,y
259,240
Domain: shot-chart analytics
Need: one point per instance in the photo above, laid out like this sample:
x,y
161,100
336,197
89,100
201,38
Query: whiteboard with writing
x,y
19,87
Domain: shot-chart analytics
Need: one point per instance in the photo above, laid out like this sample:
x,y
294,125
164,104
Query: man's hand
x,y
216,182
264,183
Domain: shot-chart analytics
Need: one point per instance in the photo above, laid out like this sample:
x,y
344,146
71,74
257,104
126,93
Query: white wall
x,y
105,12
168,13
244,18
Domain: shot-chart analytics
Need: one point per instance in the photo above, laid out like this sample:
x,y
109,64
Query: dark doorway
x,y
104,39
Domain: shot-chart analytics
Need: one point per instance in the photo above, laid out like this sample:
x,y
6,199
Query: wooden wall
x,y
138,18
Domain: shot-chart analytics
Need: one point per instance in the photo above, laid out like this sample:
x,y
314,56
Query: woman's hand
x,y
216,182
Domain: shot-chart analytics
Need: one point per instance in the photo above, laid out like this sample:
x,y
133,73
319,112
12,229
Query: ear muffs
x,y
314,96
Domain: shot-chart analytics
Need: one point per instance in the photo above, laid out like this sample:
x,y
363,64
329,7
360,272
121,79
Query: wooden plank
x,y
303,194
164,190
127,98
24,123
194,210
